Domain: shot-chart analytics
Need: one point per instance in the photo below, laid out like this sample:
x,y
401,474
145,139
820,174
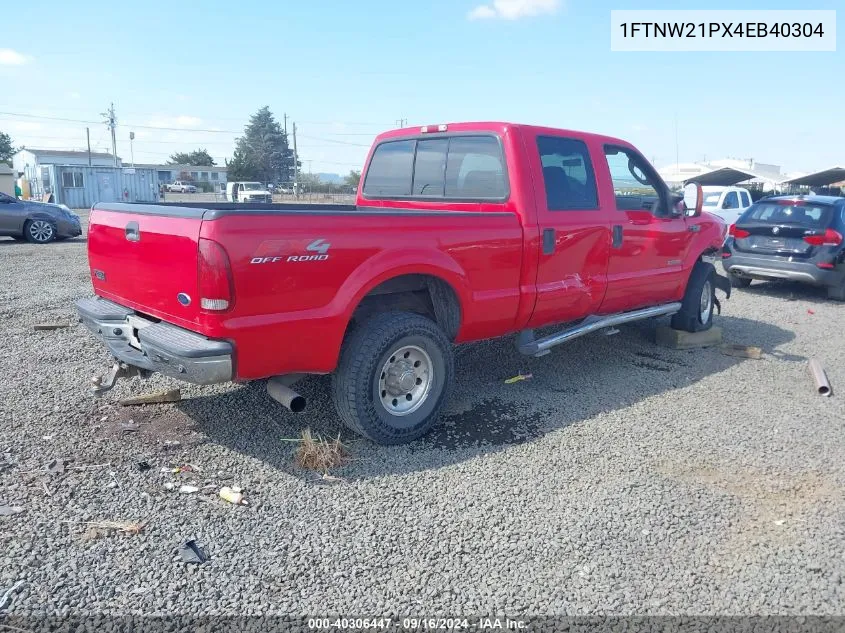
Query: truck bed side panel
x,y
299,276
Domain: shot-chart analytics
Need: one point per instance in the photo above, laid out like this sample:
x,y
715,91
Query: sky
x,y
346,71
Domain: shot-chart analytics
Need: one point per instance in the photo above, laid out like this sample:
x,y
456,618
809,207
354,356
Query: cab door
x,y
650,240
574,230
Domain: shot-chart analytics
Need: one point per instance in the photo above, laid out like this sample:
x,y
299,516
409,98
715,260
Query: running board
x,y
530,346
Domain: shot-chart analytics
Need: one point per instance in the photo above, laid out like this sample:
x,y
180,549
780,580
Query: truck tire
x,y
394,376
696,313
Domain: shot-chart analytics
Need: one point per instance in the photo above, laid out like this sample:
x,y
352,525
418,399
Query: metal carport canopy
x,y
820,178
724,177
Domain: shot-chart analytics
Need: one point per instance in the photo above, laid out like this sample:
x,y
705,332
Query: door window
x,y
567,174
746,199
633,181
731,201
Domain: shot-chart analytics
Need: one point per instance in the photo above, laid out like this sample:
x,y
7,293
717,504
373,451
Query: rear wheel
x,y
837,293
696,313
393,378
39,231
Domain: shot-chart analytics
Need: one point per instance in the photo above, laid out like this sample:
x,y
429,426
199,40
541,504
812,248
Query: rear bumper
x,y
752,267
164,348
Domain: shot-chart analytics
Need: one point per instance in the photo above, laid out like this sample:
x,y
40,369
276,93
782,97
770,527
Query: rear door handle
x,y
617,236
548,241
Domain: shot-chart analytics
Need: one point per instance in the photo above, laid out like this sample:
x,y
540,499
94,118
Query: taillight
x,y
737,233
214,277
830,238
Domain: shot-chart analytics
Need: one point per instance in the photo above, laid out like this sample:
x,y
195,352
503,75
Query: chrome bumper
x,y
158,347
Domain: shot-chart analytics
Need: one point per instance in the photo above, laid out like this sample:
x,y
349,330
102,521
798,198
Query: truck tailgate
x,y
146,262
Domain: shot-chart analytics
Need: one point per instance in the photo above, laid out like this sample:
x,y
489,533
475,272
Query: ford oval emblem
x,y
184,299
776,230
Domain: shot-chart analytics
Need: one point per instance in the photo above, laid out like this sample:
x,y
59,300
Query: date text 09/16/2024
x,y
417,624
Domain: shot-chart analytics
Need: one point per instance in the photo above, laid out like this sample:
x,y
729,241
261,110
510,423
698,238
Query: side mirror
x,y
693,199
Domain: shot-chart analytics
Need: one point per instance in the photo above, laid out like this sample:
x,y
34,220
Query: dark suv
x,y
786,237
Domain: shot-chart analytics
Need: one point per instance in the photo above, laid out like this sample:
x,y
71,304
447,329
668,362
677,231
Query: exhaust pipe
x,y
283,394
820,378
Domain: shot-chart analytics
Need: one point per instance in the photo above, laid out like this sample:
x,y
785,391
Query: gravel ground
x,y
622,479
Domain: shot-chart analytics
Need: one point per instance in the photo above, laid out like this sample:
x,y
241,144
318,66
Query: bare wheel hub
x,y
405,380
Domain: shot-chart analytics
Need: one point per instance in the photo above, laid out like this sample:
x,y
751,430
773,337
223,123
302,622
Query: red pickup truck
x,y
461,232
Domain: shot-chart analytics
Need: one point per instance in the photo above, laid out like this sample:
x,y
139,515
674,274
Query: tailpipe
x,y
283,394
823,387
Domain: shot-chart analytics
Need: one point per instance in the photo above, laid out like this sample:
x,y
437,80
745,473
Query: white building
x,y
170,173
725,171
38,165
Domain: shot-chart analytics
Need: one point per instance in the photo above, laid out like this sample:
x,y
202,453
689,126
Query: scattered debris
x,y
811,312
315,453
742,351
171,395
46,438
50,325
172,443
130,427
233,495
111,484
46,489
191,552
144,466
6,511
56,467
96,529
780,521
518,378
819,376
114,481
7,594
169,485
188,490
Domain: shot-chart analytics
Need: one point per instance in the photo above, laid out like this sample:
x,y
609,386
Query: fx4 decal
x,y
319,246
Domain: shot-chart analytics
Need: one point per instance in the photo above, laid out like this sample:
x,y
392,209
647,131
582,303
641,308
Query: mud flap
x,y
723,284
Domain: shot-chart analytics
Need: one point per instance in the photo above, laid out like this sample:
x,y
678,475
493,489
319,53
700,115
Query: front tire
x,y
39,231
394,377
696,313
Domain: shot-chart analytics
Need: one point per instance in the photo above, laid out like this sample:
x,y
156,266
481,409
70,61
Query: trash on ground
x,y
144,466
191,552
742,351
819,377
6,511
233,495
780,521
56,467
46,438
518,378
96,529
188,490
315,453
8,593
811,312
130,427
169,485
51,325
171,395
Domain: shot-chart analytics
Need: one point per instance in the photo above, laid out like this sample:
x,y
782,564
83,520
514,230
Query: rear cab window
x,y
568,176
450,168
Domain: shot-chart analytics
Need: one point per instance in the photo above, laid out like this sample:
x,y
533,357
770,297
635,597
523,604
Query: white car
x,y
727,202
247,192
181,187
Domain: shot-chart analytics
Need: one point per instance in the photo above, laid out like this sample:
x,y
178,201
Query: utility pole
x,y
286,124
88,138
132,148
111,123
401,122
309,166
677,151
295,164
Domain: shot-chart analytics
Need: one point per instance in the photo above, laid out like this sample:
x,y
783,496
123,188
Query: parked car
x,y
37,222
787,237
461,232
727,202
248,192
181,186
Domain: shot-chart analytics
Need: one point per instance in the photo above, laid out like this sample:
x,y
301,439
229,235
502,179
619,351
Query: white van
x,y
727,202
247,192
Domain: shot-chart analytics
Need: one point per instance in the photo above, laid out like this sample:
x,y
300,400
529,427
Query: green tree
x,y
262,153
353,178
6,149
199,157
